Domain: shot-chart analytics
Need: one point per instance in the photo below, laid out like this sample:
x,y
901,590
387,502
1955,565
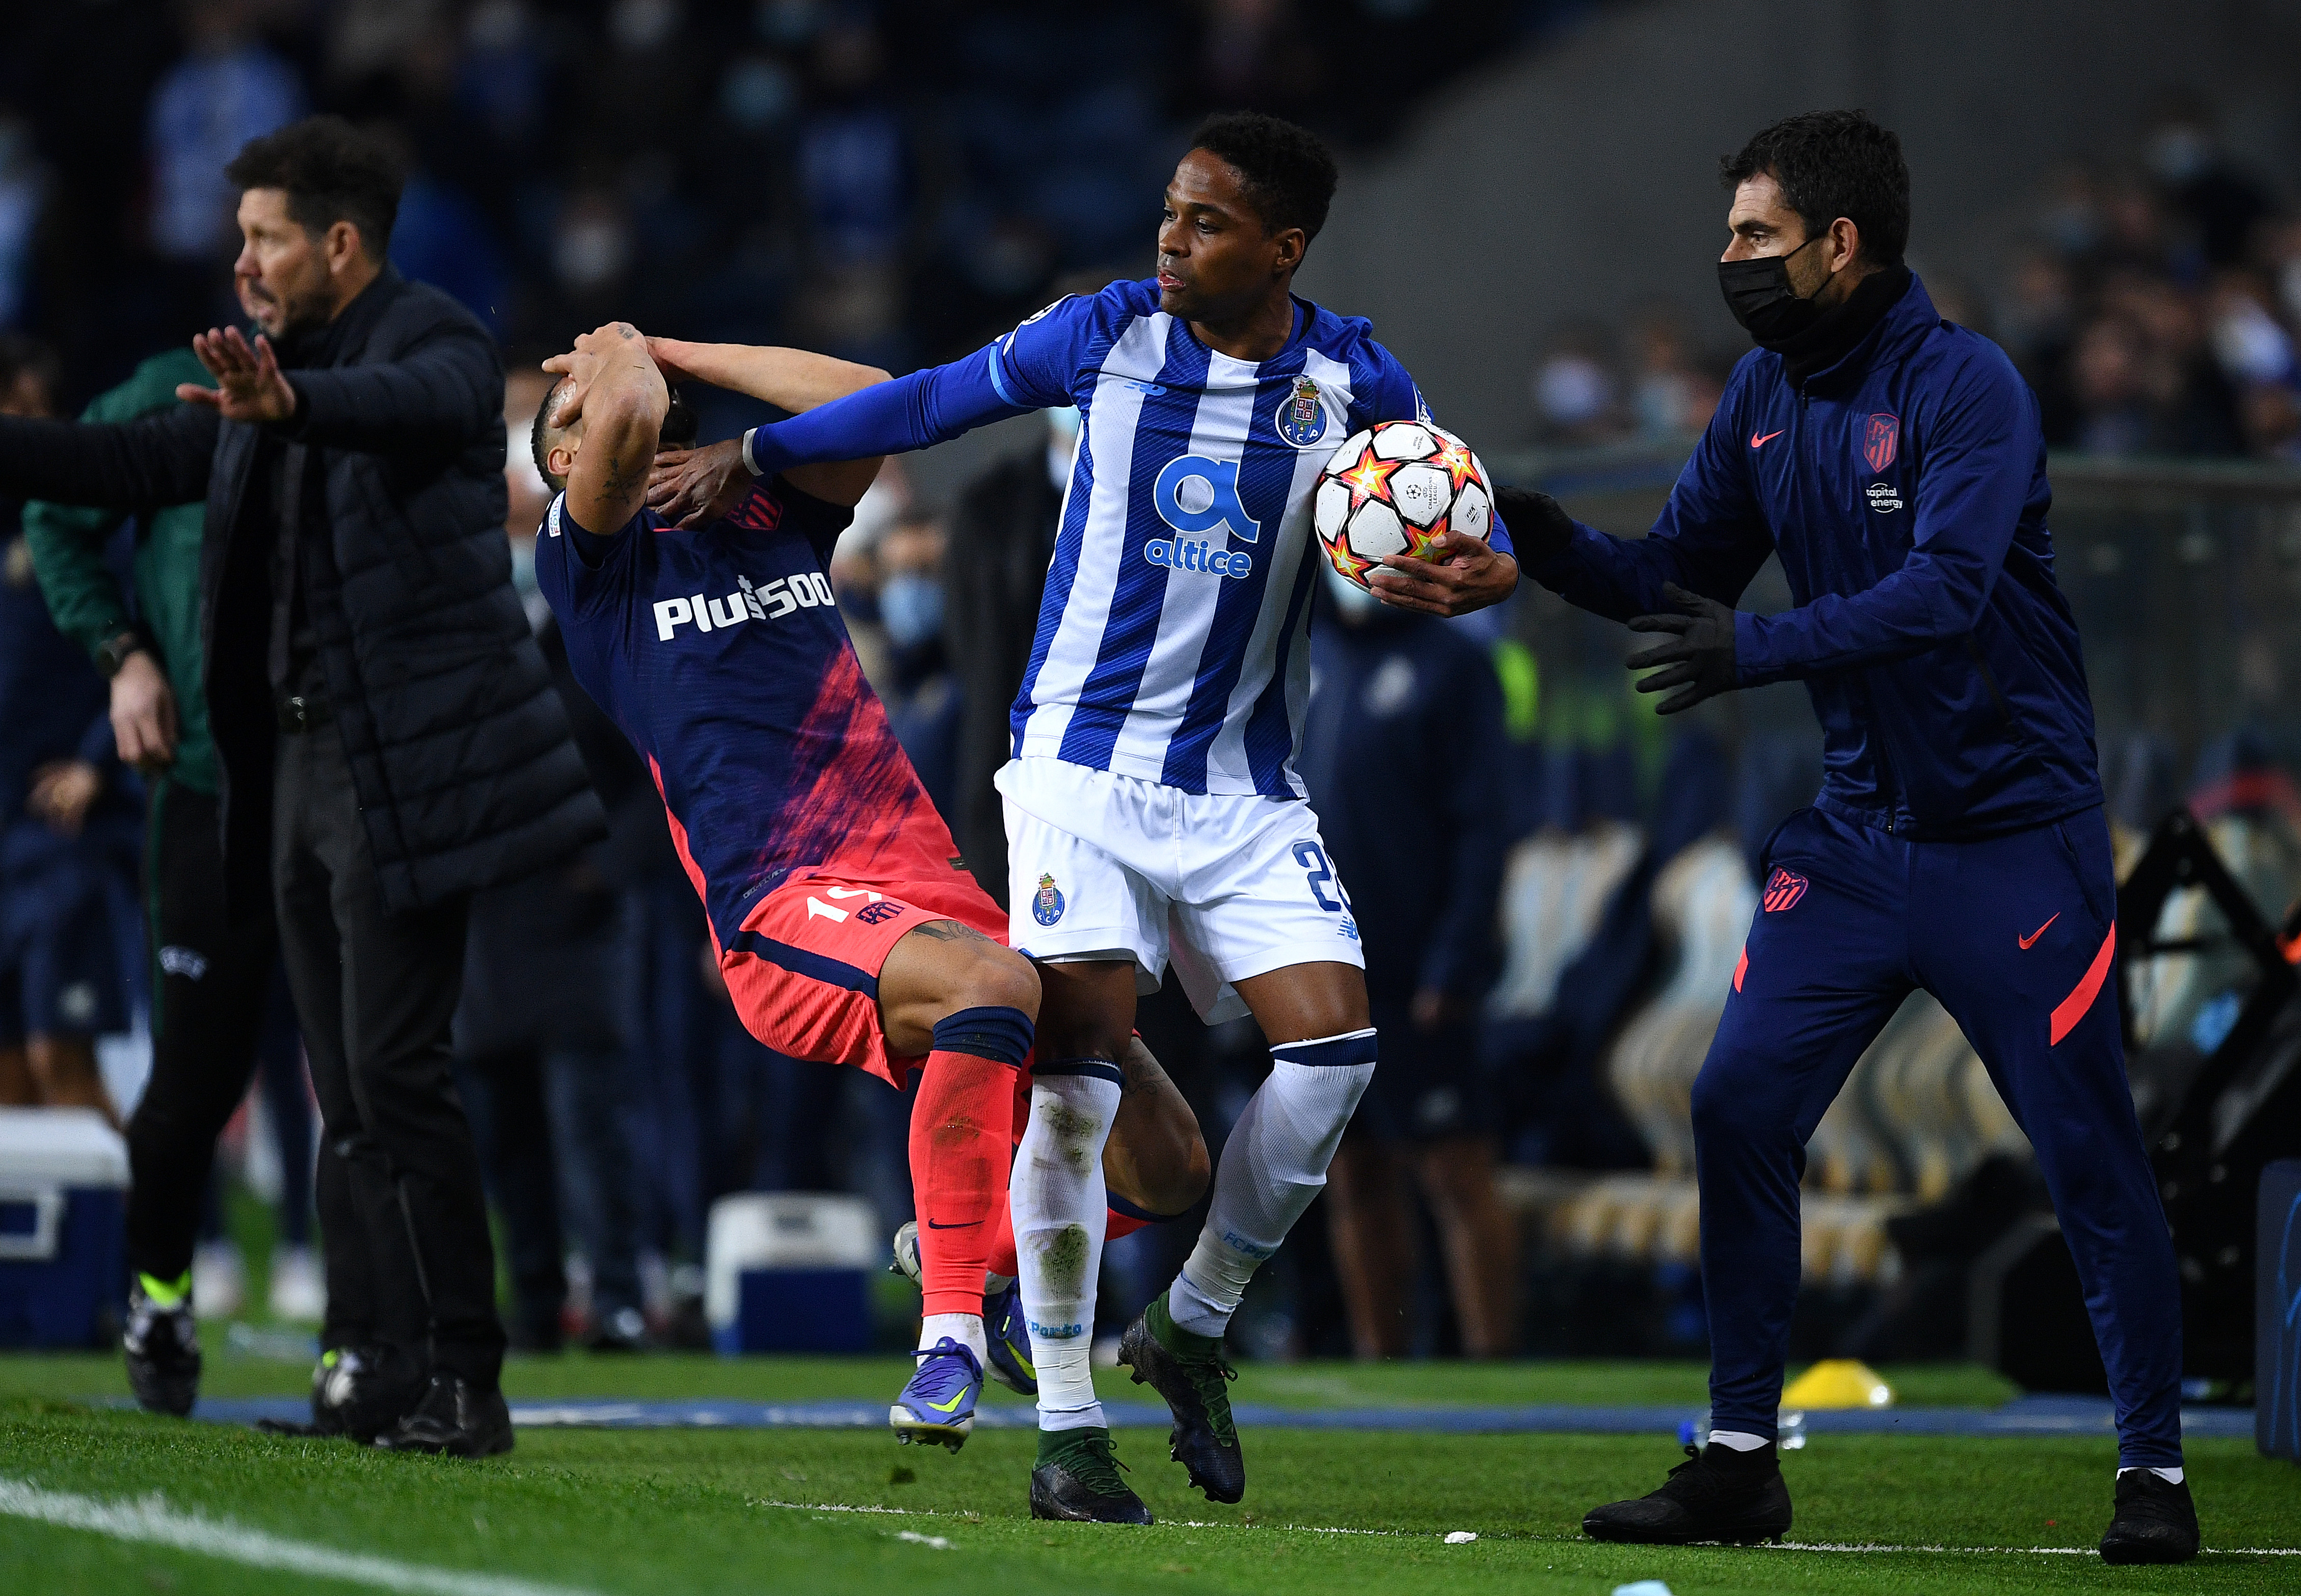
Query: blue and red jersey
x,y
720,653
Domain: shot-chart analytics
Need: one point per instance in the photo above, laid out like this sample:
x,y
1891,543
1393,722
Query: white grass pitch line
x,y
1311,1529
149,1520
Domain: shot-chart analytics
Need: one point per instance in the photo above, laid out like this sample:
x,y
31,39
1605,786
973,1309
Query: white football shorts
x,y
1228,885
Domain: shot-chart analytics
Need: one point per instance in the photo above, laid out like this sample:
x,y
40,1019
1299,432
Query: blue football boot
x,y
1009,1334
938,1405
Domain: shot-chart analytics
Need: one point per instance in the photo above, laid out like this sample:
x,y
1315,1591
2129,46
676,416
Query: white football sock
x,y
1272,1168
2171,1477
1056,1200
1737,1441
966,1329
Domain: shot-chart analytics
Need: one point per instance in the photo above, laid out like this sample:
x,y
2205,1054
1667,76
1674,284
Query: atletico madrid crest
x,y
1881,440
1782,890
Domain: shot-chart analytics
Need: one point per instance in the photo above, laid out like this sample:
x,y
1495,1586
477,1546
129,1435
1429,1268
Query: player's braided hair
x,y
1290,176
1833,164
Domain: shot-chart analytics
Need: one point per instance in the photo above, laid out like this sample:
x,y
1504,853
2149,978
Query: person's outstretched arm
x,y
691,485
443,390
155,460
910,413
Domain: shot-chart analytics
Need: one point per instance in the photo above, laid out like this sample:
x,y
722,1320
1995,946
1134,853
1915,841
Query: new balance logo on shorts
x,y
770,600
1782,890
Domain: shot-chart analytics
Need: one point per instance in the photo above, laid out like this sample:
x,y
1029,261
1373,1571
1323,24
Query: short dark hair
x,y
1833,164
542,436
1290,176
332,173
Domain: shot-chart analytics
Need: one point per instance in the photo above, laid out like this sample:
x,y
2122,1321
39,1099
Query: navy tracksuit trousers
x,y
2015,936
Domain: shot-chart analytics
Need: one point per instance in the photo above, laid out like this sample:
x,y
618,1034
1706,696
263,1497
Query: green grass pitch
x,y
1326,1514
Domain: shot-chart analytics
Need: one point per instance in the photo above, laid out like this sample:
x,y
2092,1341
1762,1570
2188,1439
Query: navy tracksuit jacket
x,y
1957,843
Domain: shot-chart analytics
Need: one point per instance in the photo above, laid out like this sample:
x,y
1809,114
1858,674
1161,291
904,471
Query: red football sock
x,y
960,1151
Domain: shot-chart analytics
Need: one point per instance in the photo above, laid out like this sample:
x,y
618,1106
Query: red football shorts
x,y
804,970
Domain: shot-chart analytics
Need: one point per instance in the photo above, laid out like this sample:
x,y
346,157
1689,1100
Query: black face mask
x,y
1759,294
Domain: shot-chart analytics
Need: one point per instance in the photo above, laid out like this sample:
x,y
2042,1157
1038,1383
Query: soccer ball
x,y
1393,489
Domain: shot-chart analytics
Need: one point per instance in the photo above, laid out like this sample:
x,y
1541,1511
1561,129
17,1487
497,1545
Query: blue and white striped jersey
x,y
1174,639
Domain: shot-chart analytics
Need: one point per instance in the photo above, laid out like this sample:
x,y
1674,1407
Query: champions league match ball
x,y
1393,489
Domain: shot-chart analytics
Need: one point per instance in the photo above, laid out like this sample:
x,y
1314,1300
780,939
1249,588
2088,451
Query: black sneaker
x,y
162,1349
362,1392
1716,1494
1077,1477
1191,1372
2155,1521
455,1417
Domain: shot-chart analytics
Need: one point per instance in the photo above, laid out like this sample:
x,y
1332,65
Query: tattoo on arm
x,y
952,931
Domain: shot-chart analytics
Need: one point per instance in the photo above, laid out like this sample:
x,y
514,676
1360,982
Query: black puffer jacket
x,y
459,749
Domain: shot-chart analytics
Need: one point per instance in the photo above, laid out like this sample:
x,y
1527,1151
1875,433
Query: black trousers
x,y
209,990
402,1216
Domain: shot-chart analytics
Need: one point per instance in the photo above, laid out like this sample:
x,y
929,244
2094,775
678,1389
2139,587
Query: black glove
x,y
1538,524
1699,650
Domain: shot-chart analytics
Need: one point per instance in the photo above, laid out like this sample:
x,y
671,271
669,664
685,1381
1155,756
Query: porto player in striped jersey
x,y
846,926
1154,814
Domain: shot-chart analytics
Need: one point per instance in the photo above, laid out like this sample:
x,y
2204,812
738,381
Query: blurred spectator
x,y
1672,395
2220,202
230,88
922,704
1374,755
1003,535
67,821
1576,400
23,202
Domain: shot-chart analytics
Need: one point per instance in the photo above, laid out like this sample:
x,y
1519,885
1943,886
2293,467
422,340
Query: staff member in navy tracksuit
x,y
1894,462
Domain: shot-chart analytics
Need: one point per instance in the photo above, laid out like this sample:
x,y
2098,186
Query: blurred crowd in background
x,y
894,183
2154,303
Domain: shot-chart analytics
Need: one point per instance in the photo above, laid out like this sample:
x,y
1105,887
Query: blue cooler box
x,y
63,1184
2277,1303
790,1272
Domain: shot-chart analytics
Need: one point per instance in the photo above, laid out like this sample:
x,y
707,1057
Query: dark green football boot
x,y
1191,1372
1077,1477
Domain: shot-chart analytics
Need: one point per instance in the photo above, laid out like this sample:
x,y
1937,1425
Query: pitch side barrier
x,y
2185,575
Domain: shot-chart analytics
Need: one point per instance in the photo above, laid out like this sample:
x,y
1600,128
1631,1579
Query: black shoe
x,y
1716,1494
455,1417
1077,1477
2155,1521
624,1330
1191,1372
164,1352
362,1392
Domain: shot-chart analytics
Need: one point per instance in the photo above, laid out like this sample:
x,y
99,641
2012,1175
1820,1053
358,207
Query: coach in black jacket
x,y
389,736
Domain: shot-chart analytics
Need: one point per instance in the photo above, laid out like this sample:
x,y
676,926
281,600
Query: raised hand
x,y
593,352
250,385
1698,648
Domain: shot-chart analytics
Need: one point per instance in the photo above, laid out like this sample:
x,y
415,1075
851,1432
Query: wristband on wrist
x,y
112,653
749,463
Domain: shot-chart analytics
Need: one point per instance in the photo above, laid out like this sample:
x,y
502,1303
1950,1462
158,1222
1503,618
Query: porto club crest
x,y
1047,903
1301,420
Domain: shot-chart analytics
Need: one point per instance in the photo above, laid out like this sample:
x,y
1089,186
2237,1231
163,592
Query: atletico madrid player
x,y
1894,462
846,925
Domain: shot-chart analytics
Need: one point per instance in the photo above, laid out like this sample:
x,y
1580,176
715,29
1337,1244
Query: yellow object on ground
x,y
1838,1382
